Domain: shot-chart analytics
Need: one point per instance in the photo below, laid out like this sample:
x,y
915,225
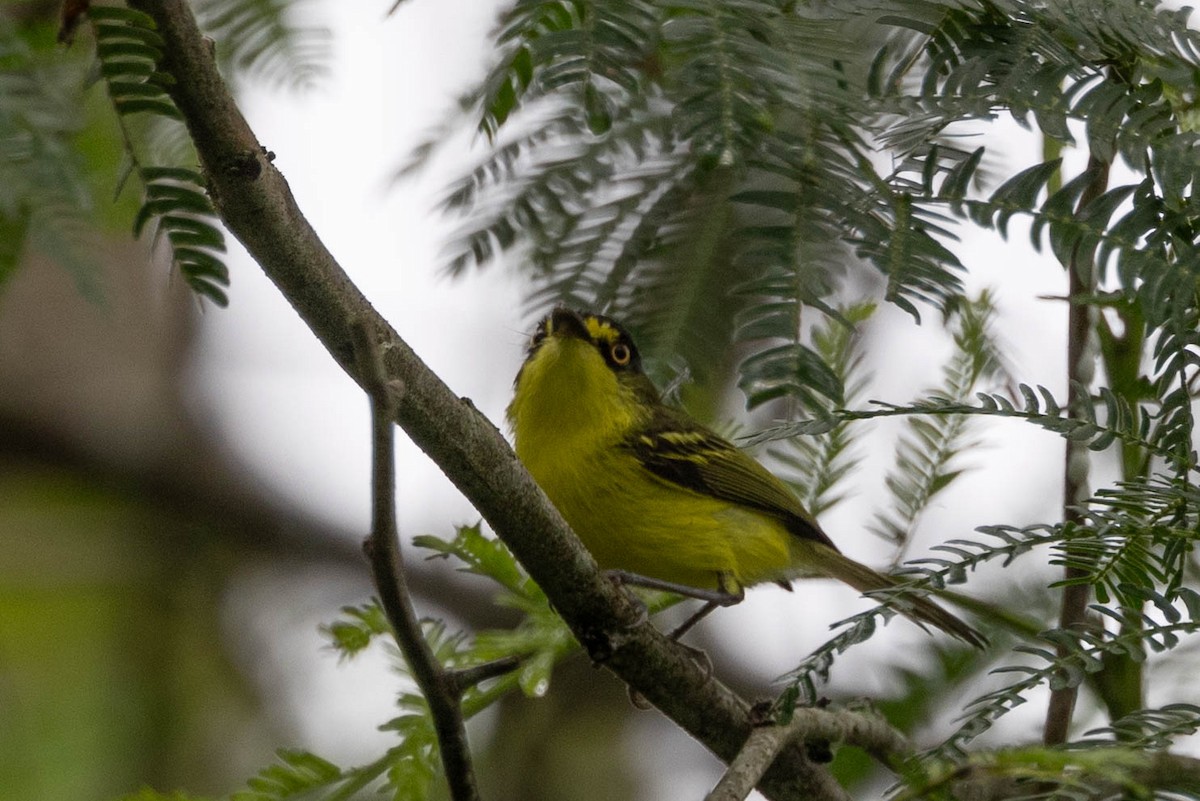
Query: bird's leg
x,y
686,626
718,597
721,597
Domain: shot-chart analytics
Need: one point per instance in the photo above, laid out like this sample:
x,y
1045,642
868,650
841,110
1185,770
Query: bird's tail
x,y
921,610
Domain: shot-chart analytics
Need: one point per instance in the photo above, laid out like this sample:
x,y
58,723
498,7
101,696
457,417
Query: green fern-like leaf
x,y
1067,658
817,464
541,640
413,773
1134,539
722,169
483,556
1103,421
1002,543
129,50
176,201
928,449
1152,729
357,628
1059,773
262,39
44,199
592,54
298,773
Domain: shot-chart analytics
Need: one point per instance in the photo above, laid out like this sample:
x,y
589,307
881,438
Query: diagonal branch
x,y
869,732
256,204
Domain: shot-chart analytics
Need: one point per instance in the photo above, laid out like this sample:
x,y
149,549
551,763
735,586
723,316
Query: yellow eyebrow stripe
x,y
601,331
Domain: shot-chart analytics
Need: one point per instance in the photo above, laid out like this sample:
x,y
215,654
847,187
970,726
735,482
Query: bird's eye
x,y
620,354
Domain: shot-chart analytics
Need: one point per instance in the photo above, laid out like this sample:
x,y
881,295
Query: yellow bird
x,y
658,499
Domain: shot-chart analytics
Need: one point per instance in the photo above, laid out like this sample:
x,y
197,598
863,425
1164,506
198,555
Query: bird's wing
x,y
681,451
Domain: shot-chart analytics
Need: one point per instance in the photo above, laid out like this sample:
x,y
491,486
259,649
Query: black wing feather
x,y
677,449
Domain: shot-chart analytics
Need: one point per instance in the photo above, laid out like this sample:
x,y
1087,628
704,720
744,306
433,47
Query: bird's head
x,y
581,370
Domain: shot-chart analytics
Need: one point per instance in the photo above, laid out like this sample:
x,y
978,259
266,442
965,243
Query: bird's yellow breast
x,y
569,421
631,520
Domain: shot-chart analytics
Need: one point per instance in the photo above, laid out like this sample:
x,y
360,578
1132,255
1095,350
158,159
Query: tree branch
x,y
1081,368
869,732
256,204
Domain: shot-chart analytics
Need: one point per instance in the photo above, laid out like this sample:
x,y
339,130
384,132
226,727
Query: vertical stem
x,y
438,685
1081,366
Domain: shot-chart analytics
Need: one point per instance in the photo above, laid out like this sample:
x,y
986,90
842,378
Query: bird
x,y
659,499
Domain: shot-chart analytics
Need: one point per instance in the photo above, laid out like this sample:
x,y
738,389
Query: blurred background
x,y
184,489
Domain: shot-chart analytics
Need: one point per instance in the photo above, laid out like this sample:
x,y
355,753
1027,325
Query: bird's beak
x,y
566,322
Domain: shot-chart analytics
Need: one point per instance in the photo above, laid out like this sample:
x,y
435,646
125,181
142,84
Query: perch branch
x,y
868,732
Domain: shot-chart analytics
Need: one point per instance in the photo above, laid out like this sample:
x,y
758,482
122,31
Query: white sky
x,y
275,393
271,384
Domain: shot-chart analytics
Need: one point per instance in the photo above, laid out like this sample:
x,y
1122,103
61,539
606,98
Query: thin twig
x,y
387,567
463,679
1081,361
869,732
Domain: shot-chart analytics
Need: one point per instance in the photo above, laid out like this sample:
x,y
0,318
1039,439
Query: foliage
x,y
1038,773
819,463
611,206
296,774
409,769
1069,657
712,171
1153,729
47,202
129,51
262,40
541,640
1106,418
44,199
926,451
